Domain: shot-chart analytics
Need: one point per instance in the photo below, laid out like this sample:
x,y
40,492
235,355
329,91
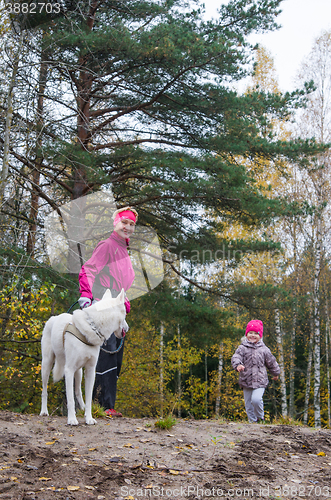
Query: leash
x,y
116,351
72,306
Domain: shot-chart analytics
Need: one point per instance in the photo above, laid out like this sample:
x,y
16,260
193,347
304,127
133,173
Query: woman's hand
x,y
240,368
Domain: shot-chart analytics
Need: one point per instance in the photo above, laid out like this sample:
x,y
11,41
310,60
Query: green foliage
x,y
165,423
97,411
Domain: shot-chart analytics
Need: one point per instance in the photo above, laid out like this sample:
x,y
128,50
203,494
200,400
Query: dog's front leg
x,y
89,383
69,378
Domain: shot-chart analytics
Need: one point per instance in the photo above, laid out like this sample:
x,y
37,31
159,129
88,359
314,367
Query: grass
x,y
97,411
166,423
286,421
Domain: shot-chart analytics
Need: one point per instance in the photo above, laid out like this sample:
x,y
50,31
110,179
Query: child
x,y
251,360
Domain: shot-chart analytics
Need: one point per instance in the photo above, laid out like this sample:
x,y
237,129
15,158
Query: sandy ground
x,y
122,458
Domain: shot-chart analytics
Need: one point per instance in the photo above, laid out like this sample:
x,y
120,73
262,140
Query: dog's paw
x,y
72,421
90,421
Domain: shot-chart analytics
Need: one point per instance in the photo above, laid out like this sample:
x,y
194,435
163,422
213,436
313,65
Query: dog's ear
x,y
121,296
107,294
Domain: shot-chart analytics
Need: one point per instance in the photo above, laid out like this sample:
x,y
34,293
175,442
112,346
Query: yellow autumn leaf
x,y
174,472
45,478
50,442
13,478
73,488
92,449
128,445
129,498
321,454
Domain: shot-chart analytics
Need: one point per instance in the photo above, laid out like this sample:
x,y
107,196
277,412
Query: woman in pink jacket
x,y
251,360
109,267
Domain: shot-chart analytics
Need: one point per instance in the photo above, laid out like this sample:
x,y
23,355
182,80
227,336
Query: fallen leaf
x,y
20,461
89,487
50,442
92,449
52,488
45,478
128,445
173,472
73,488
321,454
128,498
13,478
240,462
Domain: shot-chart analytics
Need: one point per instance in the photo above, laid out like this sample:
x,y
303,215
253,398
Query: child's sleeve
x,y
237,358
271,364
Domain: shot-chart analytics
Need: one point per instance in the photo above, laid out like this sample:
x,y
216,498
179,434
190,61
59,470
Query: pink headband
x,y
126,214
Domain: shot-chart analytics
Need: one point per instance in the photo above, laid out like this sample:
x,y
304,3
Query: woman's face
x,y
125,228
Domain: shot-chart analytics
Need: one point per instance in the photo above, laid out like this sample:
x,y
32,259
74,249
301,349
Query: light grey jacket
x,y
256,358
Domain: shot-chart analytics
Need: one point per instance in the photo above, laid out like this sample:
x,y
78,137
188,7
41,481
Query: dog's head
x,y
111,312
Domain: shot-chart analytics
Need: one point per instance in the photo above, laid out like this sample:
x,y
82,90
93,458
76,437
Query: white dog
x,y
95,324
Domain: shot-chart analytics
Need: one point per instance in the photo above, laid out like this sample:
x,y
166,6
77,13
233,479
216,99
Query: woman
x,y
109,267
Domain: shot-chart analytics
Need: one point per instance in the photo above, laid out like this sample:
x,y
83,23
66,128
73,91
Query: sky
x,y
302,22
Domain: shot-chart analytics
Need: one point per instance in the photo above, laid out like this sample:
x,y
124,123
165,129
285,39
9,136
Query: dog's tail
x,y
58,371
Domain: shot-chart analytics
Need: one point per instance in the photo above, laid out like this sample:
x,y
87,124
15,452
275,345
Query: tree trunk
x,y
179,374
279,338
39,157
309,366
161,369
9,118
317,330
206,383
219,380
292,365
81,187
327,337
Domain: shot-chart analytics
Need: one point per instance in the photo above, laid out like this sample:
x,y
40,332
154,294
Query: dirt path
x,y
43,458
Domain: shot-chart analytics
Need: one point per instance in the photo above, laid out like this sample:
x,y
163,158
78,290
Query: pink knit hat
x,y
255,325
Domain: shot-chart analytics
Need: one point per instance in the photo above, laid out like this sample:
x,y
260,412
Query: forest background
x,y
139,98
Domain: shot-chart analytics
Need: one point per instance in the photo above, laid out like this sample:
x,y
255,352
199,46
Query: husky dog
x,y
73,341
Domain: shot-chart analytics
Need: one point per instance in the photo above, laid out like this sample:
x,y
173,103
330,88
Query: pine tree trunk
x,y
279,338
309,367
219,380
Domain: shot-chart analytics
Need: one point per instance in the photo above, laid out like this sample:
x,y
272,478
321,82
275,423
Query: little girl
x,y
251,360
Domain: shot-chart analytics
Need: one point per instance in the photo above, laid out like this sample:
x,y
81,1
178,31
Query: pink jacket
x,y
110,263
